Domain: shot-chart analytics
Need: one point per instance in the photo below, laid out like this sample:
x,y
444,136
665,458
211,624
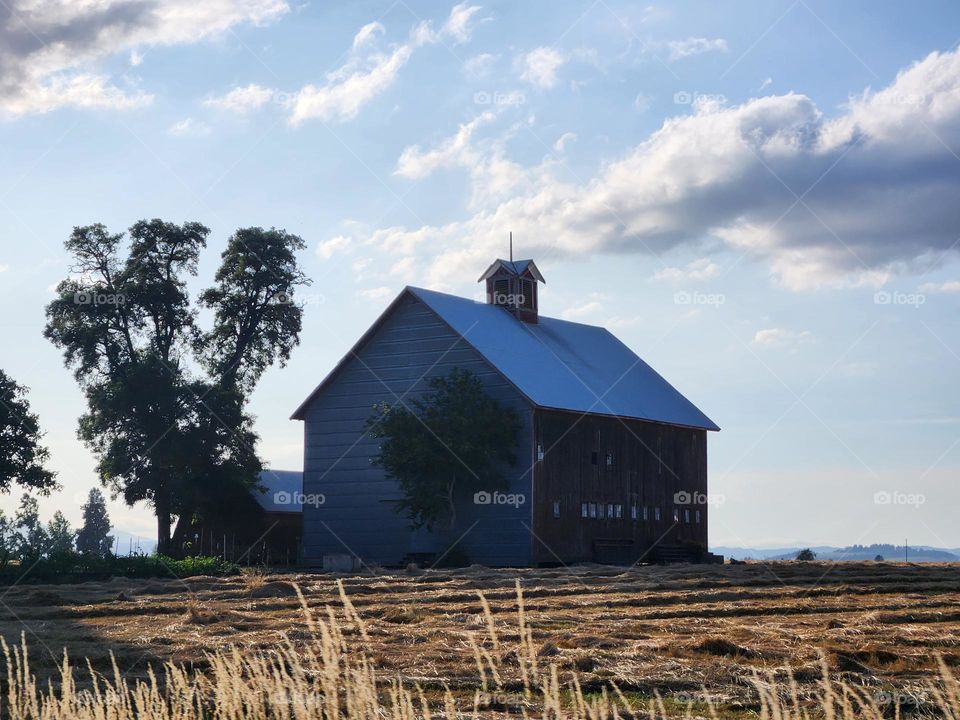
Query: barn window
x,y
686,516
633,512
527,297
600,508
676,515
593,510
583,510
501,292
618,511
646,514
556,508
610,510
656,513
539,451
594,457
611,461
697,516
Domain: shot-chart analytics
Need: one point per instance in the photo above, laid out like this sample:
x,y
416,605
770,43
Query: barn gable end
x,y
408,346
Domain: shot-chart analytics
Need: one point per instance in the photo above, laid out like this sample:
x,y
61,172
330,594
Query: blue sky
x,y
758,198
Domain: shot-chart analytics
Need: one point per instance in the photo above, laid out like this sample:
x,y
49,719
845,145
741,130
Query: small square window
x,y
583,510
593,510
618,511
656,513
556,508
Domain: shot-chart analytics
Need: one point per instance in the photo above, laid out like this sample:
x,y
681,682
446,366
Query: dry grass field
x,y
669,632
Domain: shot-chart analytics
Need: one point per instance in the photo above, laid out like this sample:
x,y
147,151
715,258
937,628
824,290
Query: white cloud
x,y
347,89
642,103
242,99
480,65
540,67
48,50
562,141
881,201
136,58
581,311
680,49
952,286
188,127
377,294
4,268
368,34
700,269
415,162
328,248
781,338
766,83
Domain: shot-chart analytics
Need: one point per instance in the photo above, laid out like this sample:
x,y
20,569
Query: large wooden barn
x,y
613,459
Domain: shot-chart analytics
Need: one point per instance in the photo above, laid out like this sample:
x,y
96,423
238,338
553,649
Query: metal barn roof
x,y
566,365
555,364
284,491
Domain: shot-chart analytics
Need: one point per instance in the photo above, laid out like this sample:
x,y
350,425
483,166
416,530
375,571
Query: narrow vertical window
x,y
686,515
697,515
676,515
609,510
618,511
539,451
593,510
611,460
646,513
556,508
656,513
583,510
600,508
633,512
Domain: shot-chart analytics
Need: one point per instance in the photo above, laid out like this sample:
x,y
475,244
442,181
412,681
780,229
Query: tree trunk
x,y
451,503
163,528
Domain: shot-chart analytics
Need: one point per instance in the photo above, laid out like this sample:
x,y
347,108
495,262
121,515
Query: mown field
x,y
669,631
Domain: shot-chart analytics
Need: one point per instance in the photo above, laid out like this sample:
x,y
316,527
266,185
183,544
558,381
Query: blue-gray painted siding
x,y
411,346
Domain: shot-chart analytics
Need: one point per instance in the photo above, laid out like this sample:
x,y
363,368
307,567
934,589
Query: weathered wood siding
x,y
648,464
410,347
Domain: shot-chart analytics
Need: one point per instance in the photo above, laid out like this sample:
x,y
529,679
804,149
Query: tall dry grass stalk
x,y
331,677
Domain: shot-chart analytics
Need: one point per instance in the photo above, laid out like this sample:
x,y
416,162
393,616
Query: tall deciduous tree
x,y
453,441
166,400
60,535
32,540
22,456
94,536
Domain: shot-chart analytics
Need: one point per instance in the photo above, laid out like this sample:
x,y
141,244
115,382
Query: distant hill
x,y
919,553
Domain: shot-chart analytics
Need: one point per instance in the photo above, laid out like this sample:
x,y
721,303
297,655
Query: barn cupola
x,y
512,284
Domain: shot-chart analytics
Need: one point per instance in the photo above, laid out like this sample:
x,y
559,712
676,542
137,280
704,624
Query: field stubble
x,y
710,639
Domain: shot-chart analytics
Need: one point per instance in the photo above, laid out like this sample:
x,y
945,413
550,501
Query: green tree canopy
x,y
166,399
60,535
22,457
94,536
32,540
455,440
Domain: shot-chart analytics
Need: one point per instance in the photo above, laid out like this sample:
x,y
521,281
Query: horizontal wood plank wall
x,y
649,463
357,516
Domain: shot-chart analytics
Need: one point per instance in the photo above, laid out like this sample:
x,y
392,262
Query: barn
x,y
613,459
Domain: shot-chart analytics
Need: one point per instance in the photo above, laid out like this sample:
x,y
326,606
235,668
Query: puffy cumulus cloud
x,y
362,78
188,127
49,49
700,269
822,201
328,248
680,49
242,100
493,175
540,67
368,34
